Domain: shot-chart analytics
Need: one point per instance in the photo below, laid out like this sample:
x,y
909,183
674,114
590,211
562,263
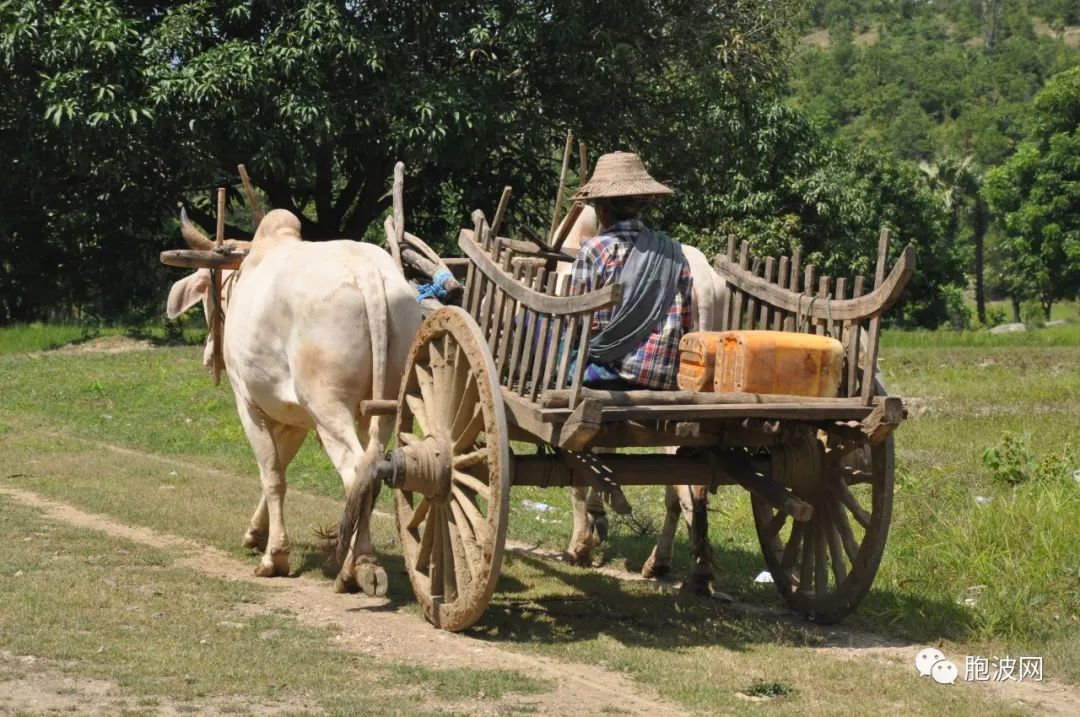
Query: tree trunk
x,y
1016,309
979,223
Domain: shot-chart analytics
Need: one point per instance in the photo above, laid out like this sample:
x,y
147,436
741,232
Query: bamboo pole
x,y
399,214
500,211
562,185
219,239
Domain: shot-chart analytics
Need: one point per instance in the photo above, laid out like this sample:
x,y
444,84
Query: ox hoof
x,y
701,586
345,584
580,558
273,566
600,529
254,540
372,578
652,569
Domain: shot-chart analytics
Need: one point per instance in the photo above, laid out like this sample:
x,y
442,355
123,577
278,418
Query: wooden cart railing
x,y
781,295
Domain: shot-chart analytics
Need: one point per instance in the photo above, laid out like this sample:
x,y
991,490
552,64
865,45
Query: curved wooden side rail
x,y
862,307
198,259
535,300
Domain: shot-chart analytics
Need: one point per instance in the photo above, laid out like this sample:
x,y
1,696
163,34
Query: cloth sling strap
x,y
649,277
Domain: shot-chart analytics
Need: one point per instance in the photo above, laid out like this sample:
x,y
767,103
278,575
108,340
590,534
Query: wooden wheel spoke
x,y
854,476
468,540
462,560
791,551
465,406
449,559
432,401
776,523
470,459
423,555
476,520
419,412
472,483
821,566
468,433
836,555
843,528
419,513
438,562
806,567
852,503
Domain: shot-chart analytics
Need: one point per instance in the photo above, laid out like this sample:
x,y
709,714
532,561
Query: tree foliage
x,y
1037,192
116,109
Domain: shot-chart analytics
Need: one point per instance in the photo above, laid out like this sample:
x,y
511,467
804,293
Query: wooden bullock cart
x,y
501,368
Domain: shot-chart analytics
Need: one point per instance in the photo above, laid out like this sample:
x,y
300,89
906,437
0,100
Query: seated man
x,y
635,345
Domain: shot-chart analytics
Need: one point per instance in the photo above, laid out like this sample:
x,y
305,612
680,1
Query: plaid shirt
x,y
655,363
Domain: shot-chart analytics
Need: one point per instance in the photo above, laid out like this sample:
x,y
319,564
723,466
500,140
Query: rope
x,y
436,289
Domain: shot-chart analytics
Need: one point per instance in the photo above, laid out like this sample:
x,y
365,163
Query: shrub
x,y
1012,462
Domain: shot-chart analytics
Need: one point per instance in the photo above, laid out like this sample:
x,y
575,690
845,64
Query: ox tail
x,y
360,498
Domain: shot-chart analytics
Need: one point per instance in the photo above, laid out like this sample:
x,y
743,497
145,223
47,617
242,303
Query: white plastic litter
x,y
982,500
537,506
1076,476
763,577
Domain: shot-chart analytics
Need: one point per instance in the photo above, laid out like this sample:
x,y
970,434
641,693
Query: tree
x,y
1037,193
127,106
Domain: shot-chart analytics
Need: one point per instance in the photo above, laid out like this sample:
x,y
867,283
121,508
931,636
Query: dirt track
x,y
394,636
403,637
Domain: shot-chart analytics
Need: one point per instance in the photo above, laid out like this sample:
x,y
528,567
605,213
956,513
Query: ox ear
x,y
187,292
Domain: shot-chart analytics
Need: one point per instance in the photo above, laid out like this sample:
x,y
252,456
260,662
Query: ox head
x,y
195,287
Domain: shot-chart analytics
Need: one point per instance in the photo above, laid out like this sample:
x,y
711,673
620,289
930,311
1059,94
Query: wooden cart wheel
x,y
451,427
824,567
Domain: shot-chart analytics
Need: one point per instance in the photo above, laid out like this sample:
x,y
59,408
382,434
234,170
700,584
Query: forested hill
x,y
978,94
929,79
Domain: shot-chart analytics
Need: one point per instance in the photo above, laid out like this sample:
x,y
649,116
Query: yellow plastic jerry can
x,y
780,362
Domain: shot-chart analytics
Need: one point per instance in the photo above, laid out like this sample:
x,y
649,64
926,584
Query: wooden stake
x,y
220,238
399,214
217,361
500,211
875,323
249,191
562,184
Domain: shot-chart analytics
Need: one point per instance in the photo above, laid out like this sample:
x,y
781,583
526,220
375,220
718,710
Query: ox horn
x,y
194,238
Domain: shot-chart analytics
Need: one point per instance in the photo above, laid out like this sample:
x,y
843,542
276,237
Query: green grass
x,y
1010,558
109,609
26,338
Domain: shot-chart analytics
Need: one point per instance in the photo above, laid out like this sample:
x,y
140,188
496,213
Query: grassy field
x,y
975,564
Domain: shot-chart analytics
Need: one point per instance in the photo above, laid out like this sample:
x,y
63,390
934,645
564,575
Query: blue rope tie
x,y
436,289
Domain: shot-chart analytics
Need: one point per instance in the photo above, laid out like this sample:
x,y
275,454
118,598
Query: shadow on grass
x,y
553,603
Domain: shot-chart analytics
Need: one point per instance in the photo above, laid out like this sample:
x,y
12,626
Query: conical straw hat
x,y
620,174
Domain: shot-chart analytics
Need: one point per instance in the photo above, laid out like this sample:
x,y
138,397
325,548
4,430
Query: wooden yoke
x,y
758,298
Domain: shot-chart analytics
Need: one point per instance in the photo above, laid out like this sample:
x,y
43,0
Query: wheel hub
x,y
423,467
799,464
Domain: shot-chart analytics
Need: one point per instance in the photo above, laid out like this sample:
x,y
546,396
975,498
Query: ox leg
x,y
590,525
274,445
259,528
659,563
697,522
581,540
359,569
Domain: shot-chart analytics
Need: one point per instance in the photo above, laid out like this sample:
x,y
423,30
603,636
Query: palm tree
x,y
960,181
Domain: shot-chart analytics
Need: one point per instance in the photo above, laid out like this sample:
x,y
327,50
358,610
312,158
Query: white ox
x,y
308,335
590,521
